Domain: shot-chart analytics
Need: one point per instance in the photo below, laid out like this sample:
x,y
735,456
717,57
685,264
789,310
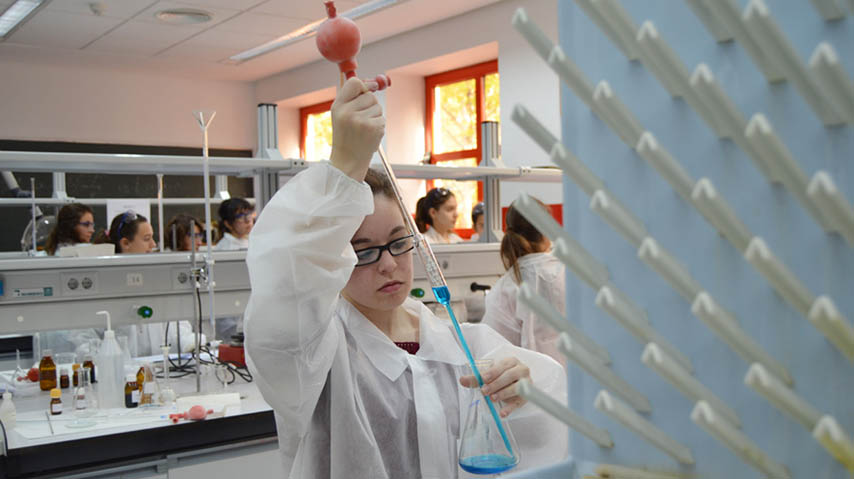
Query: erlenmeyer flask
x,y
486,448
83,398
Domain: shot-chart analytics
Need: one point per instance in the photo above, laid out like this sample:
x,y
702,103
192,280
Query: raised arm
x,y
300,258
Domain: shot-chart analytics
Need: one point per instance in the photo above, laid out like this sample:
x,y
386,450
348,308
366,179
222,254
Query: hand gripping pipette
x,y
339,41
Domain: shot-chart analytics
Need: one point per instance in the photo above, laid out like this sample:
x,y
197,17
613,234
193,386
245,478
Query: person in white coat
x,y
436,215
236,217
75,224
478,221
525,254
365,381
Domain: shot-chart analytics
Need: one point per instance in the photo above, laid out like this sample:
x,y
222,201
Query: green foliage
x,y
319,138
455,117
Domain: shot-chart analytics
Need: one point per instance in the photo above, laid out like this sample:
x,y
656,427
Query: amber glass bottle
x,y
88,363
55,401
131,392
47,371
140,378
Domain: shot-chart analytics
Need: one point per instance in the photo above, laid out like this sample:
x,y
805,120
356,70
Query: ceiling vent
x,y
183,16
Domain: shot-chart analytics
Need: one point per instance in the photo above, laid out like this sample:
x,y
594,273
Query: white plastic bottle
x,y
7,411
111,370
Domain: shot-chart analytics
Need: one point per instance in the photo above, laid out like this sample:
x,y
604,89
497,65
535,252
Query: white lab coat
x,y
515,321
229,242
348,402
435,238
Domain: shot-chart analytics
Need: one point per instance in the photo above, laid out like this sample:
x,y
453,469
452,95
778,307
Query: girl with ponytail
x,y
526,255
436,215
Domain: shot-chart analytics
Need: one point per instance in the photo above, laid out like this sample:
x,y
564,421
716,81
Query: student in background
x,y
477,220
525,254
130,233
179,233
438,210
75,224
236,218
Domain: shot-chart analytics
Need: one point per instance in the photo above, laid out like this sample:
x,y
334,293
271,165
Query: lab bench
x,y
143,442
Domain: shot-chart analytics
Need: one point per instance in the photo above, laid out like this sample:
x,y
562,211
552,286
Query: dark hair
x,y
380,183
434,198
476,212
124,225
519,239
228,211
183,228
66,220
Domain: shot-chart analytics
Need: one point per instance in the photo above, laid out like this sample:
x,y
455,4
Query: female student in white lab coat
x,y
366,382
75,224
131,233
478,220
525,253
236,217
438,211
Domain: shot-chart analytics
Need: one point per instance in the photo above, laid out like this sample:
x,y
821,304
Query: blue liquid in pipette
x,y
487,464
443,295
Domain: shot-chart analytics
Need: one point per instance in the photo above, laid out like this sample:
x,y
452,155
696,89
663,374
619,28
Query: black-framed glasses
x,y
87,224
397,247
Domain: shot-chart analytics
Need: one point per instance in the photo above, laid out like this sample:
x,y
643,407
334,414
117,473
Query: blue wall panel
x,y
823,262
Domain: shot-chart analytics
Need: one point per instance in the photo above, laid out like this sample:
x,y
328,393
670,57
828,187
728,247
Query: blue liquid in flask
x,y
487,464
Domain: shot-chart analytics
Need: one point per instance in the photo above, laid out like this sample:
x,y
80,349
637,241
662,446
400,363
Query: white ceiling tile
x,y
62,30
304,9
193,50
142,38
217,38
196,53
219,14
230,4
261,24
111,8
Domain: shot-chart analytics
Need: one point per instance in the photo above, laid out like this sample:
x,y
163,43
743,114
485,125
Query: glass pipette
x,y
440,289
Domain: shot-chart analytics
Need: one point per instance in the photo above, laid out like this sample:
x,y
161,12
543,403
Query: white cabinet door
x,y
261,460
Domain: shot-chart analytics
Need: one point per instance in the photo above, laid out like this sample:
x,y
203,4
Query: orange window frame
x,y
304,112
476,72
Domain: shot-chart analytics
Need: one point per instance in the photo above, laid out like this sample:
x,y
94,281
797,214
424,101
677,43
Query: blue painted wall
x,y
824,262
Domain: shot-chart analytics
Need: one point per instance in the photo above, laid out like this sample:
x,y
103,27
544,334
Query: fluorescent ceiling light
x,y
16,14
309,30
183,16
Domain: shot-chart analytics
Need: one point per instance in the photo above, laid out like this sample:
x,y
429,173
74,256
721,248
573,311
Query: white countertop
x,y
33,428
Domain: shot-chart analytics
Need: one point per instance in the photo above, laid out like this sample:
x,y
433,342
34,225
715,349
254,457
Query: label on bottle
x,y
80,399
134,396
56,408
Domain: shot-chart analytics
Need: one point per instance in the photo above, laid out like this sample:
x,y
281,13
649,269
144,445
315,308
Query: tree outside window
x,y
457,102
316,131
